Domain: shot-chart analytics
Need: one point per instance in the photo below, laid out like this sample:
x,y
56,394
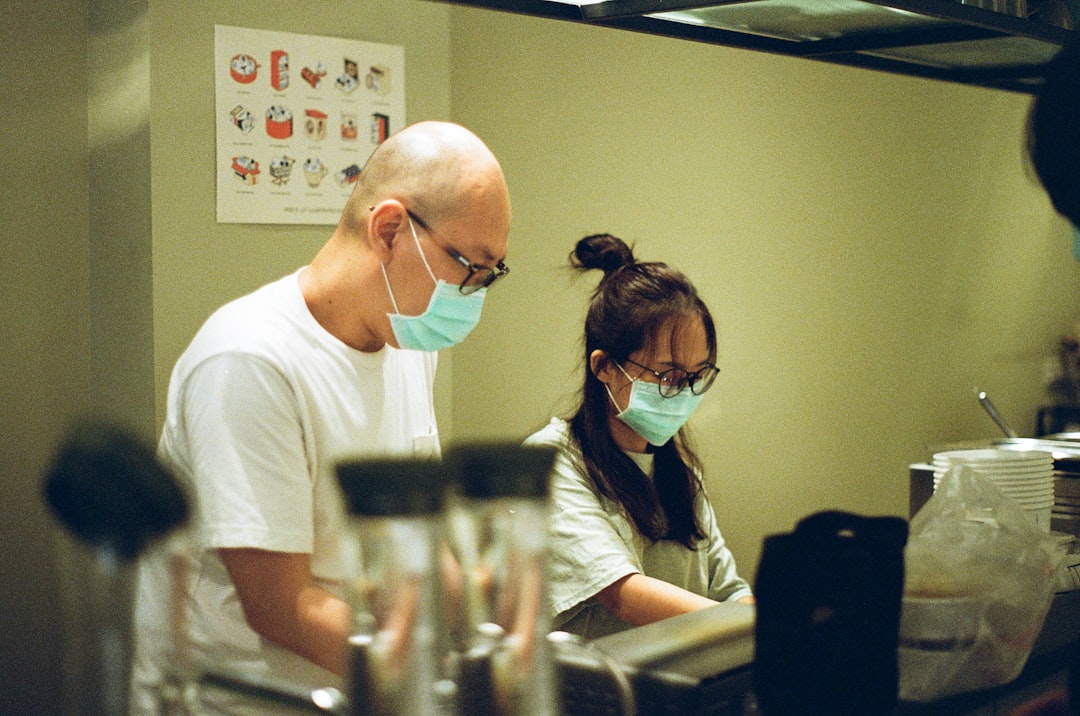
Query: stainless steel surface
x,y
694,664
1061,449
984,401
1009,7
802,22
298,699
970,43
569,645
654,643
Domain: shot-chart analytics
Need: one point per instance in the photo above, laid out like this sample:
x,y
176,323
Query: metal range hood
x,y
938,39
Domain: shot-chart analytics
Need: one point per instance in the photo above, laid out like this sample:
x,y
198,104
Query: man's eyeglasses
x,y
479,276
673,381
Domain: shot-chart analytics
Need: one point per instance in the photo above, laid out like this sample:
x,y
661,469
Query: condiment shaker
x,y
497,519
397,664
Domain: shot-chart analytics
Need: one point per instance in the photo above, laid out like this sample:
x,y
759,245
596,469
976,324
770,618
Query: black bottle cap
x,y
501,469
392,486
108,488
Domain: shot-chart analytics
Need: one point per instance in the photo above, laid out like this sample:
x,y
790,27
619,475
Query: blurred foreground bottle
x,y
497,517
397,656
108,490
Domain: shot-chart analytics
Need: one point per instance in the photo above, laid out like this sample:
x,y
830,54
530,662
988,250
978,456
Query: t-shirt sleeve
x,y
725,584
248,465
587,552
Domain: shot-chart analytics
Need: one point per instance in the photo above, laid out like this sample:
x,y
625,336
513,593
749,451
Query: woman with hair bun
x,y
634,538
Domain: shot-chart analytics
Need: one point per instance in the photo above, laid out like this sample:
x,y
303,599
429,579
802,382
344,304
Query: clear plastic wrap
x,y
979,579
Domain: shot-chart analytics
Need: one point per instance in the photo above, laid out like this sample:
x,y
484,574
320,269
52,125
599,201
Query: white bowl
x,y
938,623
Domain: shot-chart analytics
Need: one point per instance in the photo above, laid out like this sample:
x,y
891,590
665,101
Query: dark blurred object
x,y
828,616
1056,419
1051,12
1052,703
1064,388
1056,702
1065,384
1054,131
108,488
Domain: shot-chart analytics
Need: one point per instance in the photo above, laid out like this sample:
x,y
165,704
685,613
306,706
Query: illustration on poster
x,y
280,169
269,122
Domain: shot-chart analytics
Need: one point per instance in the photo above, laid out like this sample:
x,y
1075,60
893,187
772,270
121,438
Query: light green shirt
x,y
594,544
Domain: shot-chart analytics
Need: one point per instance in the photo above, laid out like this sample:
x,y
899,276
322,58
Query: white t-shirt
x,y
594,544
261,407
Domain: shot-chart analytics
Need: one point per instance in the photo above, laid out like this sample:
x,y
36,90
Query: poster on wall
x,y
297,117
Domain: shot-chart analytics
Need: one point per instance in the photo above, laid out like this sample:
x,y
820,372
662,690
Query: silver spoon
x,y
993,413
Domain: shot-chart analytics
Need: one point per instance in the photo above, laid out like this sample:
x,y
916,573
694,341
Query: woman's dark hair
x,y
1053,136
626,312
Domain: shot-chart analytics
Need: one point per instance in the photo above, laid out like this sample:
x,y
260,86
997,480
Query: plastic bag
x,y
979,579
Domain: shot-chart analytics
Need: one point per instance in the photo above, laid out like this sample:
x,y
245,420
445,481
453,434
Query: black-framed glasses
x,y
673,381
479,276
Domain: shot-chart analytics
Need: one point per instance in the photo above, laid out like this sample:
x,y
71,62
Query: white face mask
x,y
651,415
449,317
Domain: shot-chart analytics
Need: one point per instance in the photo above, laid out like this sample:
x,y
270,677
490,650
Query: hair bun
x,y
602,251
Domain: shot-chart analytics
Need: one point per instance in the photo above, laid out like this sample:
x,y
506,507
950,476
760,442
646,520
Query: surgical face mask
x,y
449,317
651,415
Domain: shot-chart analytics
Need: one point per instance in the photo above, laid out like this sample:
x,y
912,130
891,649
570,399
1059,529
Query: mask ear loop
x,y
389,290
611,396
386,279
617,365
421,250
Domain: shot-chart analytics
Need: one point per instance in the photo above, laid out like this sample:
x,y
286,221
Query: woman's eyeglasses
x,y
673,381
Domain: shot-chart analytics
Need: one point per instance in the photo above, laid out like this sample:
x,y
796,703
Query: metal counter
x,y
701,663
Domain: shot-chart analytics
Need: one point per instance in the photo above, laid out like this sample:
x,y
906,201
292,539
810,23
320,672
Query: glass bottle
x,y
396,664
497,518
107,488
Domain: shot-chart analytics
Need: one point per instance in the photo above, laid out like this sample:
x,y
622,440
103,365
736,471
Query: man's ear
x,y
387,218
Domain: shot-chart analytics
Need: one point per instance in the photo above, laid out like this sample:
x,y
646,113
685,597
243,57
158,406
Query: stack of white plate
x,y
1025,475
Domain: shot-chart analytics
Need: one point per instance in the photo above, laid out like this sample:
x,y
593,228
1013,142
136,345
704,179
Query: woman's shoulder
x,y
555,434
568,469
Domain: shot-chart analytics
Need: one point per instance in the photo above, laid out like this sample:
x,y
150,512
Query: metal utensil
x,y
296,698
993,413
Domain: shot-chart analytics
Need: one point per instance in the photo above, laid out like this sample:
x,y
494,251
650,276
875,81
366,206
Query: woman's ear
x,y
600,365
387,218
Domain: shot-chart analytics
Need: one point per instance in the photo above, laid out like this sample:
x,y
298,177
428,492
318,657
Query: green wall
x,y
45,332
198,263
111,258
872,247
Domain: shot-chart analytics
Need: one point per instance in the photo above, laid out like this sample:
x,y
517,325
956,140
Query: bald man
x,y
337,359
